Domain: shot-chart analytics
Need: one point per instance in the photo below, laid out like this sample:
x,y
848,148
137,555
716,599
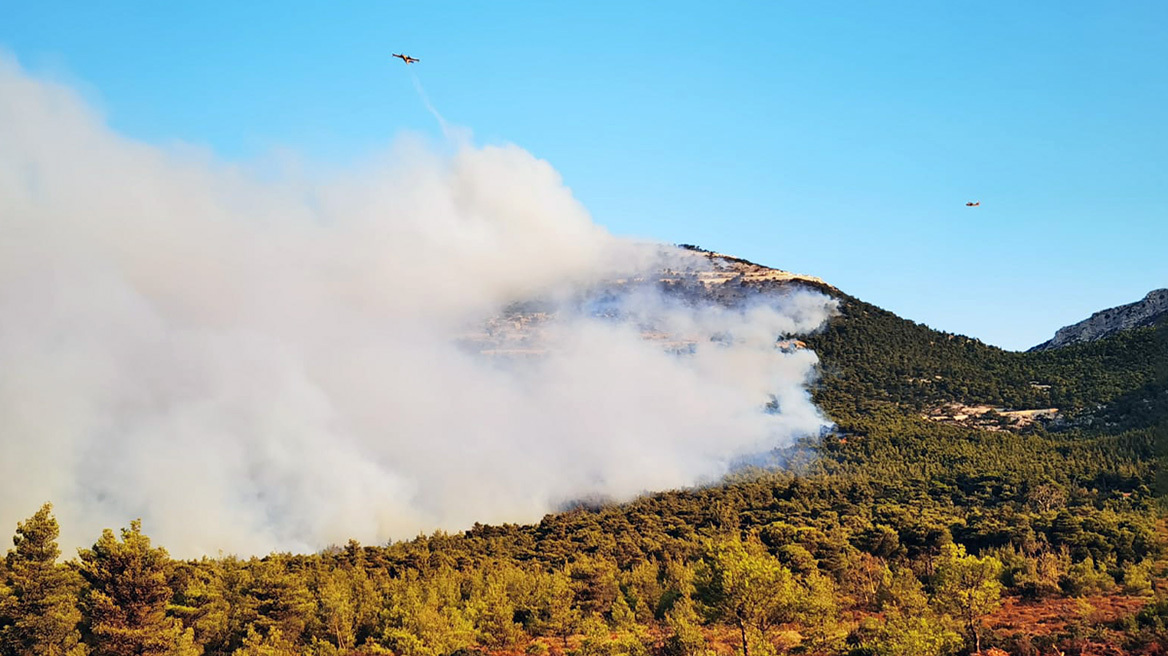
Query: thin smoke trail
x,y
429,106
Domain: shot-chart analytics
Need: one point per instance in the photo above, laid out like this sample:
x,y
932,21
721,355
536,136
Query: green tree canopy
x,y
128,597
38,613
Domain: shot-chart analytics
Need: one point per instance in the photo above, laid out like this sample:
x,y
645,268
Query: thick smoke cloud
x,y
250,363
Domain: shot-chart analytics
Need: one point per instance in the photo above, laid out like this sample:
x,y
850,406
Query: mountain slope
x,y
853,542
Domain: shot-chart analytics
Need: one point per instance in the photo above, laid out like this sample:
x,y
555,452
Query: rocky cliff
x,y
1102,324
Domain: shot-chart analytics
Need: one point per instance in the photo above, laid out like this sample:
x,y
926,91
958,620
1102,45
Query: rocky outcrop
x,y
1108,322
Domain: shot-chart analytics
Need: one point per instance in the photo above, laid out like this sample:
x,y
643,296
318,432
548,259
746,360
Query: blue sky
x,y
840,141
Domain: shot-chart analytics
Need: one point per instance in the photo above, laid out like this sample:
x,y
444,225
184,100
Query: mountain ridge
x,y
1104,323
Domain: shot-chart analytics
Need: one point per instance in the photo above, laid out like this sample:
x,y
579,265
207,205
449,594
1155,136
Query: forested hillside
x,y
872,355
896,534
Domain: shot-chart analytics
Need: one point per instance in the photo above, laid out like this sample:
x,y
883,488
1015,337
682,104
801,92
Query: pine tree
x,y
493,612
38,613
743,585
555,613
337,609
685,636
969,587
910,627
128,598
621,613
279,598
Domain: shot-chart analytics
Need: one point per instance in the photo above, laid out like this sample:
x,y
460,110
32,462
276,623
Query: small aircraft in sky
x,y
973,204
406,58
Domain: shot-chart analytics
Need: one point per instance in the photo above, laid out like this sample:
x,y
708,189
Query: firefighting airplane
x,y
406,58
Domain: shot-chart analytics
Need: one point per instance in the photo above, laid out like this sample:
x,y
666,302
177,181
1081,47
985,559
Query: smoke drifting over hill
x,y
252,364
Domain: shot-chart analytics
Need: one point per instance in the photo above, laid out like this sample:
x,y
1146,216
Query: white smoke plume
x,y
252,364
